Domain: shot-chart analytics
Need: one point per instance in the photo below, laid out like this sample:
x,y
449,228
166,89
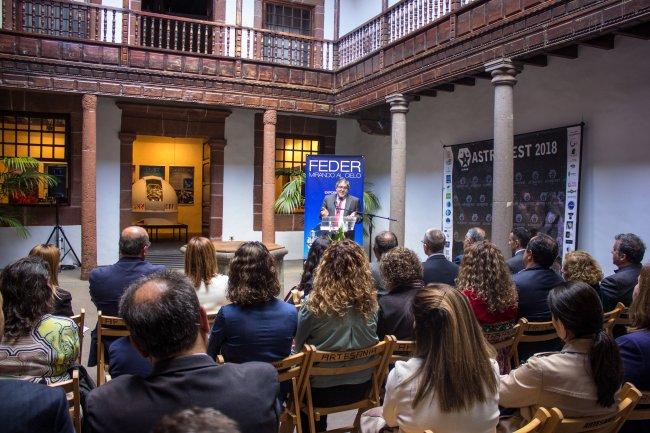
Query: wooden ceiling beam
x,y
569,52
466,81
605,42
540,60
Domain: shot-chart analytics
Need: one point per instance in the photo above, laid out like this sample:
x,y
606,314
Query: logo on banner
x,y
571,205
464,157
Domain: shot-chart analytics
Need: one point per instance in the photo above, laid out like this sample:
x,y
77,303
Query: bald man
x,y
107,283
437,269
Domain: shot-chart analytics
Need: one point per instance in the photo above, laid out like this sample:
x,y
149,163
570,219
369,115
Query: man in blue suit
x,y
32,407
107,283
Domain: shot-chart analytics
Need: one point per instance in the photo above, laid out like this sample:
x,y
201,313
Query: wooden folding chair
x,y
375,358
211,317
403,350
544,421
535,332
294,368
642,410
80,320
609,318
507,341
610,423
107,326
623,318
71,388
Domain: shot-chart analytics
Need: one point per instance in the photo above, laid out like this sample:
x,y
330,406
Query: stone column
x,y
217,147
399,106
268,177
504,73
126,178
88,185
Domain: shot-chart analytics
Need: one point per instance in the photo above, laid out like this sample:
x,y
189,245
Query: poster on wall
x,y
322,172
546,186
152,170
182,180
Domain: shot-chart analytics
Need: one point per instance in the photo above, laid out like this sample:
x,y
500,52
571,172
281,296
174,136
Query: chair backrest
x,y
294,368
71,389
80,320
508,341
624,318
536,332
610,423
544,421
107,326
609,318
211,317
642,410
403,350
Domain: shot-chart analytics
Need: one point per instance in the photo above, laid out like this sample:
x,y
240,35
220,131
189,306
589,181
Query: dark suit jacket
x,y
533,285
131,404
437,269
380,284
618,287
125,359
516,262
107,283
458,259
262,332
395,313
30,407
351,204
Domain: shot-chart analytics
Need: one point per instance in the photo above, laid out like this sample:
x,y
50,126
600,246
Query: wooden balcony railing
x,y
75,20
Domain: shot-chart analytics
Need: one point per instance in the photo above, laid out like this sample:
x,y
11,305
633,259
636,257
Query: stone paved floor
x,y
69,280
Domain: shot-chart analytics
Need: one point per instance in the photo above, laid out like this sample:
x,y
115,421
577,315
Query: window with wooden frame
x,y
45,137
291,153
286,18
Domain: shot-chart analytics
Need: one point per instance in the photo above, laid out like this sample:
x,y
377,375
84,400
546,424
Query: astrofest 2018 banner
x,y
321,174
546,186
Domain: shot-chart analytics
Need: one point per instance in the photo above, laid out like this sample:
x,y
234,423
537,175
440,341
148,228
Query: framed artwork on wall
x,y
182,180
152,170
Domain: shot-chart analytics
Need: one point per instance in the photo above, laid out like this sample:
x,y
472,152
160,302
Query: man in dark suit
x,y
517,241
168,326
627,254
340,203
473,235
31,407
437,269
107,283
537,278
384,242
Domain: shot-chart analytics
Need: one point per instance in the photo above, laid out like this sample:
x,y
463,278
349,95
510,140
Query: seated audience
x,y
339,314
581,266
201,268
437,269
473,235
256,326
168,326
635,346
62,298
384,242
402,272
196,420
32,407
537,278
36,345
125,359
582,379
107,283
314,255
627,254
451,385
485,280
517,241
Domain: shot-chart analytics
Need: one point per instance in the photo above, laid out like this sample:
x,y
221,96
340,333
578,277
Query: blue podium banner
x,y
321,174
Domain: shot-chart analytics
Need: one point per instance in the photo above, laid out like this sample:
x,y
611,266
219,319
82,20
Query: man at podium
x,y
340,203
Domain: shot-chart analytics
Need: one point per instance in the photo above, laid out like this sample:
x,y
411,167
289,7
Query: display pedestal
x,y
226,251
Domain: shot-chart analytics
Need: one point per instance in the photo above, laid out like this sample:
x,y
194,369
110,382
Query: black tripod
x,y
370,227
61,240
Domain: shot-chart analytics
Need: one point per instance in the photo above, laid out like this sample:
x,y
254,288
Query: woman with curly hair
x,y
256,326
402,272
36,345
581,266
339,314
486,281
62,298
201,268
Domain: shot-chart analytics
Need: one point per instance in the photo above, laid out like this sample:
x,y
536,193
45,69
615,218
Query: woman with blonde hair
x,y
201,268
581,266
62,298
339,314
451,385
485,279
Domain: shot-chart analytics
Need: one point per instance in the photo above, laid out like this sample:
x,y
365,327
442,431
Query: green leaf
x,y
7,220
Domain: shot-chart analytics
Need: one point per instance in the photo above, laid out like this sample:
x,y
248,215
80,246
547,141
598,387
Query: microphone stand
x,y
371,225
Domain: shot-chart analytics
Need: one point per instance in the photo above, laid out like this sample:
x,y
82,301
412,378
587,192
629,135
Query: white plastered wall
x,y
607,90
